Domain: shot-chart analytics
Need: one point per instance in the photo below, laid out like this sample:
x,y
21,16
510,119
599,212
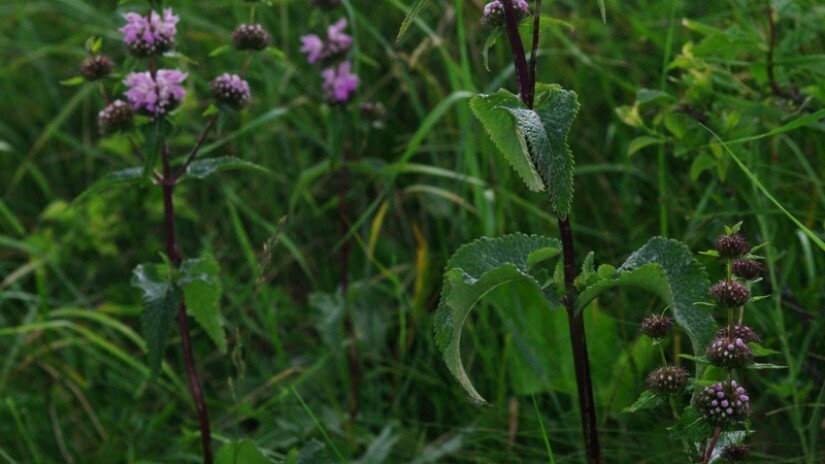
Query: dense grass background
x,y
73,381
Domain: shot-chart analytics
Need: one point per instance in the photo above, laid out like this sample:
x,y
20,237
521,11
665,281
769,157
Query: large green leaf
x,y
203,168
473,271
200,281
160,303
500,125
240,452
117,178
667,268
557,108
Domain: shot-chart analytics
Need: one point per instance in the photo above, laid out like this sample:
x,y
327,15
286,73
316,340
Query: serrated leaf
x,y
240,452
201,285
203,168
123,177
491,111
557,108
414,11
160,303
473,271
647,400
668,269
691,426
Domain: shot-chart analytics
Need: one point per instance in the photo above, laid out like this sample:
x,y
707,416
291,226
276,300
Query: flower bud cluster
x,y
729,352
493,15
723,403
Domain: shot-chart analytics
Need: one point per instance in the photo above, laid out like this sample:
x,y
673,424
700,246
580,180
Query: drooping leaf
x,y
473,271
122,177
500,125
414,11
200,281
647,400
203,168
240,452
557,108
668,269
160,303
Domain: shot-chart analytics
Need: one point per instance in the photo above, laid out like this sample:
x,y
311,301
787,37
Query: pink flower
x,y
151,34
336,44
313,46
230,90
339,83
158,95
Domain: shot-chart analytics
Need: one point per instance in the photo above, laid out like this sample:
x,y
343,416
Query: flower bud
x,y
723,403
96,67
729,352
230,90
730,294
250,37
735,453
655,326
117,116
747,268
668,380
739,331
494,12
732,246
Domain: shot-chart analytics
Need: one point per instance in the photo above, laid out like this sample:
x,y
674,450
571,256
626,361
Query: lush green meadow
x,y
693,116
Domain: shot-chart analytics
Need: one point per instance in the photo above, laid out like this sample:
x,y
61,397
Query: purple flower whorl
x,y
740,331
494,12
747,268
155,96
655,326
337,43
96,67
730,294
250,37
723,403
150,35
116,116
732,246
230,90
339,83
729,352
668,380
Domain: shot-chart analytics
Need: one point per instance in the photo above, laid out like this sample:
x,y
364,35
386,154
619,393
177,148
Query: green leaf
x,y
200,282
414,11
203,168
691,426
557,108
759,350
647,400
240,452
697,359
472,272
160,303
495,34
758,366
668,269
491,110
220,50
117,178
642,142
73,82
602,10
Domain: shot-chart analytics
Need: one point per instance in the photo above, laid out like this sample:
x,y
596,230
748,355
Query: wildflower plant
x,y
178,287
530,129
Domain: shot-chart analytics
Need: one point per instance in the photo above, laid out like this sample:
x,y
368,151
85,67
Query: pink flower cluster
x,y
340,83
151,34
337,43
155,95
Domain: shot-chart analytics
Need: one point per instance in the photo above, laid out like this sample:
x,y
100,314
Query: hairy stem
x,y
168,184
535,47
712,445
578,341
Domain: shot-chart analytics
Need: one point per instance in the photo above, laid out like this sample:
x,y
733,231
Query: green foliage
x,y
473,271
414,11
691,426
118,178
647,400
203,168
200,282
161,299
240,452
557,108
668,269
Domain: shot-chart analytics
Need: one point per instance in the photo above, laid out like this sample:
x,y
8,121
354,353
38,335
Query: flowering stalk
x,y
578,340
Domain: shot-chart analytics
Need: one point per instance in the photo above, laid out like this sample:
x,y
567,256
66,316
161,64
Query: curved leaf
x,y
474,270
122,177
414,11
501,126
201,285
160,304
667,268
203,168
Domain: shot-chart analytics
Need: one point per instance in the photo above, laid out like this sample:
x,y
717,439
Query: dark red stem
x,y
535,47
713,441
578,340
168,185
